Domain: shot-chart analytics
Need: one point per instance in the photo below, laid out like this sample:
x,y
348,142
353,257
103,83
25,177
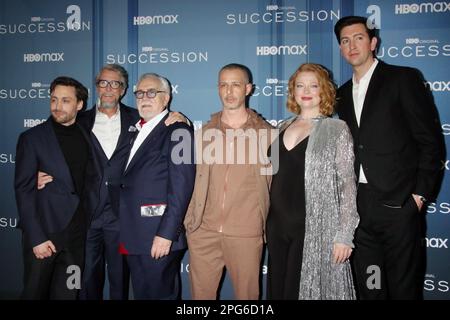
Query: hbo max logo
x,y
43,57
423,7
436,243
281,50
167,19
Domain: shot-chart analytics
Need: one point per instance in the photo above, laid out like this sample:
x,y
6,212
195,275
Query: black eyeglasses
x,y
114,84
149,93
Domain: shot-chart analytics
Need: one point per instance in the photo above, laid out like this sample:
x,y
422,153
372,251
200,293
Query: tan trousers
x,y
210,251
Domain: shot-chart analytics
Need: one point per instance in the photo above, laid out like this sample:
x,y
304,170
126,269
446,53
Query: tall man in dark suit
x,y
398,149
108,123
54,220
154,194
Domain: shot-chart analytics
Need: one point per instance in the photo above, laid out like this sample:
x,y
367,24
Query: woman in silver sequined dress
x,y
313,214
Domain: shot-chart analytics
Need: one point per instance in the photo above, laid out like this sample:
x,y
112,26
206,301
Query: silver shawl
x,y
331,214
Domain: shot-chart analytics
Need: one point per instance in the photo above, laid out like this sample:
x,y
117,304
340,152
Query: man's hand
x,y
44,250
160,247
43,179
175,117
419,202
341,252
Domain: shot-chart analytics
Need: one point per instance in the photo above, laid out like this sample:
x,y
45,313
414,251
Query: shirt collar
x,y
152,122
366,77
98,113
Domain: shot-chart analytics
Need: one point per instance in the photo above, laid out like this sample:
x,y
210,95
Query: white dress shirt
x,y
359,94
144,131
107,131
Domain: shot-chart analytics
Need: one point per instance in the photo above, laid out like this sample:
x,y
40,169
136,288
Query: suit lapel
x,y
373,90
126,122
55,152
146,144
350,115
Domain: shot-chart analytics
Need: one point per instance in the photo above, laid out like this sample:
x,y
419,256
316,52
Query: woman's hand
x,y
341,252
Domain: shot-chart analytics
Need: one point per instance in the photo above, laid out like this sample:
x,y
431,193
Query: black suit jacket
x,y
111,168
399,138
46,211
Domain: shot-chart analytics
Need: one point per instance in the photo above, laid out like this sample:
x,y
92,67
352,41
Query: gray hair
x,y
163,81
115,68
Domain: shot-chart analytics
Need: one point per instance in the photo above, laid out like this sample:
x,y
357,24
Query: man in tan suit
x,y
227,213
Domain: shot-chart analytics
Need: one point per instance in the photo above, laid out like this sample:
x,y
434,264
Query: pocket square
x,y
153,210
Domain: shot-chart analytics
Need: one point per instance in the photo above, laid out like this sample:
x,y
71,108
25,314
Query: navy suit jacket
x,y
112,168
46,211
154,177
399,141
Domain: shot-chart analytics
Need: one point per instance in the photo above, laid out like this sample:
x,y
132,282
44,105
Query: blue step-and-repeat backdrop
x,y
188,42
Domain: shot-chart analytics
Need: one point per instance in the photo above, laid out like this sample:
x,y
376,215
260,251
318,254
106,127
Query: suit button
x,y
361,146
122,186
106,183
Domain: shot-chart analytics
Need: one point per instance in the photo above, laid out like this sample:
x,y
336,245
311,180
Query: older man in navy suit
x,y
54,220
155,190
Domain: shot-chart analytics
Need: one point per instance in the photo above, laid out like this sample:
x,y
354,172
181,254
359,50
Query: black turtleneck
x,y
75,149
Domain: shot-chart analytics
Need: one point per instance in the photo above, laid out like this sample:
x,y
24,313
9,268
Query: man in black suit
x,y
110,124
54,220
398,149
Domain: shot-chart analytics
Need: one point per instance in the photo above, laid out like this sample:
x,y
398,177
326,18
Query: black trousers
x,y
388,260
48,278
102,246
285,262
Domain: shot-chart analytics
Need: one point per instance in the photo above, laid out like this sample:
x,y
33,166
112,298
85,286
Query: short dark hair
x,y
232,66
80,90
351,20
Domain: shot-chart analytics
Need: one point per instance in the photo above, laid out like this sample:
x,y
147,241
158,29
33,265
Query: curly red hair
x,y
327,89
